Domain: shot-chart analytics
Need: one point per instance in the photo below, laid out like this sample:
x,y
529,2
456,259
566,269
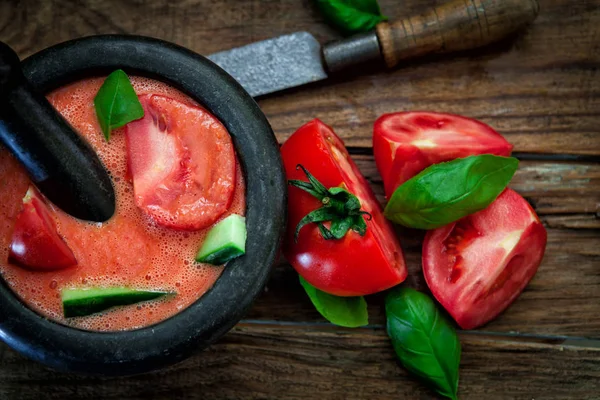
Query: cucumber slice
x,y
82,302
224,242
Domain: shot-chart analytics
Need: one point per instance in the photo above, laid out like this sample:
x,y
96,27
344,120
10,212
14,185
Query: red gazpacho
x,y
177,181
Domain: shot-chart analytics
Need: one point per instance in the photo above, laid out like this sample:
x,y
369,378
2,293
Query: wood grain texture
x,y
275,362
540,88
453,26
562,299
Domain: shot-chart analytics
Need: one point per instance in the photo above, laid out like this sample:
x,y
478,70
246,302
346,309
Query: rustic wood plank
x,y
514,87
585,221
540,89
562,299
274,362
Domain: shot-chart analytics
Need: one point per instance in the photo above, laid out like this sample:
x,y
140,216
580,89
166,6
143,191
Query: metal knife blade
x,y
274,64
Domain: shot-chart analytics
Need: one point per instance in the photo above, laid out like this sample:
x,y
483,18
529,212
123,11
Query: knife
x,y
298,58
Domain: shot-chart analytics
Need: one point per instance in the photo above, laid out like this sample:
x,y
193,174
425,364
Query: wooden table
x,y
541,89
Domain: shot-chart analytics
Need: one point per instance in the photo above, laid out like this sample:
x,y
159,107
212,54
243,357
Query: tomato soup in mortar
x,y
143,246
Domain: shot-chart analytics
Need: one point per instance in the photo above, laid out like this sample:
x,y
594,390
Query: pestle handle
x,y
59,162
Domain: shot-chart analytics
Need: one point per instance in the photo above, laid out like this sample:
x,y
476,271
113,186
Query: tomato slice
x,y
405,143
354,265
477,266
35,242
183,163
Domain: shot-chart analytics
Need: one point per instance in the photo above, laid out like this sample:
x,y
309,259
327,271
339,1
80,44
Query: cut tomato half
x,y
35,242
182,162
479,265
406,143
353,265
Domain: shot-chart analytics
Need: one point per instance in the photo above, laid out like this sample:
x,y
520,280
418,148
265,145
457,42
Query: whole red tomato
x,y
405,143
478,265
354,265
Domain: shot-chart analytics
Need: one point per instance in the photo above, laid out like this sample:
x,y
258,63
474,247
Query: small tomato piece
x,y
405,143
353,265
35,242
478,265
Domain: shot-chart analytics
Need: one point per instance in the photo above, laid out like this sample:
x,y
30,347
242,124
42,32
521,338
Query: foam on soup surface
x,y
128,250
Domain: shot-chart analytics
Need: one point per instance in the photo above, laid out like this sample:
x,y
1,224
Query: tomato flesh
x,y
353,265
35,242
477,266
183,164
405,143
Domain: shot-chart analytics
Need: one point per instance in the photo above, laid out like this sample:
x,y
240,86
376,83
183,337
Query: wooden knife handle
x,y
454,26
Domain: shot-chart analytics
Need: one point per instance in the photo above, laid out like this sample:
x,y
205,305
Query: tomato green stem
x,y
341,209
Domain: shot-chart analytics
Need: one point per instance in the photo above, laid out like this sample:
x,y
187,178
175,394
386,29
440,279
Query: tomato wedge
x,y
477,266
35,242
183,163
353,265
405,143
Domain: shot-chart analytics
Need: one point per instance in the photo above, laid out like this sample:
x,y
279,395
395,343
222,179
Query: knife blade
x,y
274,64
296,59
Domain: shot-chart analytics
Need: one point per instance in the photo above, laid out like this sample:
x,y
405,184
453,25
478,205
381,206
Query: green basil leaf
x,y
446,192
424,341
116,103
350,312
351,16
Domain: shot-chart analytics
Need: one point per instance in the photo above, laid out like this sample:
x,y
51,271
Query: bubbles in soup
x,y
128,250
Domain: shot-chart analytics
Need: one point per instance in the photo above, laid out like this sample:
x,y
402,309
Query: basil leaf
x,y
446,192
116,103
350,312
424,341
351,16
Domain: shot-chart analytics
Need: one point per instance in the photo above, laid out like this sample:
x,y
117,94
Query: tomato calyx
x,y
340,207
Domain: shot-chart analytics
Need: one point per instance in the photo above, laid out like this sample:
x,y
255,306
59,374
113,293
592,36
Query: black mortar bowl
x,y
218,310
